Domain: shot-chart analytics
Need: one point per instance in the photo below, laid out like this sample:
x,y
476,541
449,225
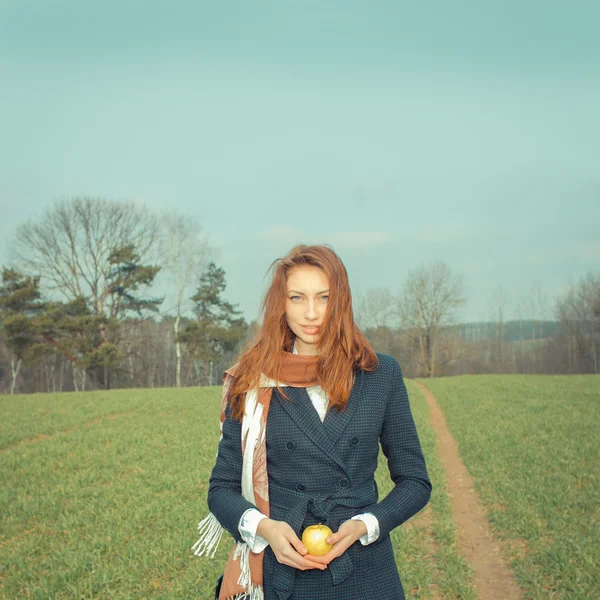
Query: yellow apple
x,y
314,537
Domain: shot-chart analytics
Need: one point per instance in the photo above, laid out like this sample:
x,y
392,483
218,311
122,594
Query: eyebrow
x,y
303,294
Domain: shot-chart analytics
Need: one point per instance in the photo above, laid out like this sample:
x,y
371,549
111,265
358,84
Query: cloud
x,y
278,233
349,240
449,233
582,251
346,240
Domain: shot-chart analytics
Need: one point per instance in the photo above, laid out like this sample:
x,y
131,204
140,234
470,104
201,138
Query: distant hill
x,y
513,330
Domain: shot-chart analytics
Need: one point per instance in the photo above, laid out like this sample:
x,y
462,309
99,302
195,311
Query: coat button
x,y
354,441
344,483
290,446
301,487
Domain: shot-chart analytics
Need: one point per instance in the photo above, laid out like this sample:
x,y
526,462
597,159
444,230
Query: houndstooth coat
x,y
323,472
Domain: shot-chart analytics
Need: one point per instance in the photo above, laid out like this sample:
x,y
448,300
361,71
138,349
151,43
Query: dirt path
x,y
493,579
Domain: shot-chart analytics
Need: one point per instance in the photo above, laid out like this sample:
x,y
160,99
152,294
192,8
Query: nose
x,y
312,311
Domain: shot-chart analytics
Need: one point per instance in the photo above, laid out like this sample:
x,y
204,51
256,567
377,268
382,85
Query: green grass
x,y
531,444
109,510
102,492
46,414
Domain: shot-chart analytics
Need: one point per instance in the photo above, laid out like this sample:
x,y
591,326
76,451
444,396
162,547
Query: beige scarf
x,y
243,575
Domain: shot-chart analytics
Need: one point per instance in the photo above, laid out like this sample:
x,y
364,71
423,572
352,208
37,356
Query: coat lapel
x,y
336,421
325,434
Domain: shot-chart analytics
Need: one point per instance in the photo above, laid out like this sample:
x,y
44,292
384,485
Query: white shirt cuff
x,y
370,520
247,527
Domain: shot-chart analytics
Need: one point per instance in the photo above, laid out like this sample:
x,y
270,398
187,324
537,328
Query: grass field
x,y
102,491
531,444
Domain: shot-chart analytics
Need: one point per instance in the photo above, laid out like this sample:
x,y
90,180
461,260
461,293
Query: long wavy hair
x,y
343,348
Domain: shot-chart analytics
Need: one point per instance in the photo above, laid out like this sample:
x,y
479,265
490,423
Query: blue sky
x,y
399,133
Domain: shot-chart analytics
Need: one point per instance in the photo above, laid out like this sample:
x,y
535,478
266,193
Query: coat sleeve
x,y
225,499
406,464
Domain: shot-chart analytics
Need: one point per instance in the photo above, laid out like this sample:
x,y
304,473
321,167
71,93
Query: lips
x,y
311,330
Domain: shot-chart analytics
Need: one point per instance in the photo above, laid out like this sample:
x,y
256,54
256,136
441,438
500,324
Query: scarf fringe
x,y
210,531
254,593
242,551
209,528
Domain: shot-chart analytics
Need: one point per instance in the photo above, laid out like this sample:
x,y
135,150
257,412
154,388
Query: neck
x,y
305,349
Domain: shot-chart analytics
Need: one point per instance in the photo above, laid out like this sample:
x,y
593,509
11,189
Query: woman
x,y
303,414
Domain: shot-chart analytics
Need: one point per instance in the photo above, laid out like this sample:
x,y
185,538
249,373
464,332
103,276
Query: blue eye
x,y
324,298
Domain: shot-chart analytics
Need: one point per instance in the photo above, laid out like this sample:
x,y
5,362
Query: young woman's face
x,y
305,305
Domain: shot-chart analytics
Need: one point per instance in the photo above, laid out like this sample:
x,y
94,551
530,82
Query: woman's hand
x,y
286,546
348,533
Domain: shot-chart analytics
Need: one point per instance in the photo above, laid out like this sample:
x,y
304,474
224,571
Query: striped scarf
x,y
243,575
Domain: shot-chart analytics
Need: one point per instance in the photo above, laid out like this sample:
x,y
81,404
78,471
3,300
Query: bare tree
x,y
498,317
579,313
377,308
186,254
71,244
96,252
431,297
534,305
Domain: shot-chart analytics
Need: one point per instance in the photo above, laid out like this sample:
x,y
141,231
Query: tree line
x,y
419,327
77,310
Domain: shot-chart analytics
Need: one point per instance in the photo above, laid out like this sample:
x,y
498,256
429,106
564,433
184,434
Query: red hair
x,y
343,348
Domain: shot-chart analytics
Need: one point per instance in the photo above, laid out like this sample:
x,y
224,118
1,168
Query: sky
x,y
398,133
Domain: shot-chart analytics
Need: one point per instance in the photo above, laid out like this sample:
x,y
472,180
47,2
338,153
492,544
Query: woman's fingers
x,y
297,543
289,556
306,563
289,550
348,533
338,549
325,559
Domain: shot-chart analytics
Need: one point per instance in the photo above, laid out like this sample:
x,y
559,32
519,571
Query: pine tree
x,y
219,326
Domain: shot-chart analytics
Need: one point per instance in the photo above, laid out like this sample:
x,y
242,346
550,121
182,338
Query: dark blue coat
x,y
324,473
